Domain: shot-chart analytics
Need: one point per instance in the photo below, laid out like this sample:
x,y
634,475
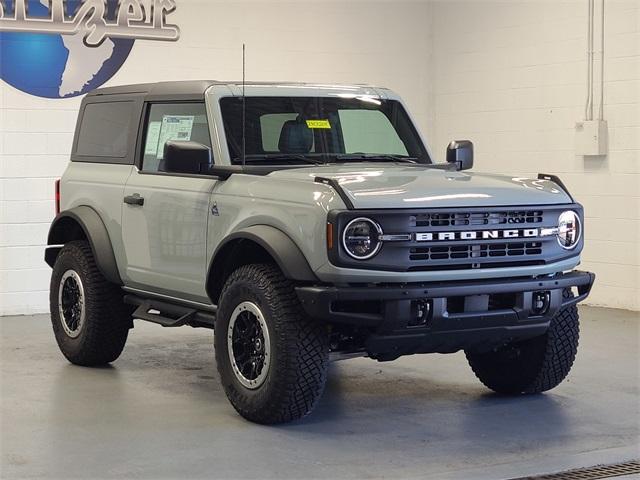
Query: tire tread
x,y
107,318
303,346
548,362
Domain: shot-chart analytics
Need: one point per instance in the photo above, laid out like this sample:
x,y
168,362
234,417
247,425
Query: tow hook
x,y
422,312
540,302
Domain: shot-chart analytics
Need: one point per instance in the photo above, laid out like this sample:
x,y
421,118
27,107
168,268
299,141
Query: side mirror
x,y
460,152
186,157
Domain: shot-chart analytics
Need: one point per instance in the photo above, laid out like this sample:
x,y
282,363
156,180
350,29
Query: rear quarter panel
x,y
101,187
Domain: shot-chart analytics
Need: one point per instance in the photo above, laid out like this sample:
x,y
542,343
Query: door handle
x,y
134,199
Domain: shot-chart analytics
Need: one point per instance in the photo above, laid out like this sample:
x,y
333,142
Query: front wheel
x,y
271,358
534,365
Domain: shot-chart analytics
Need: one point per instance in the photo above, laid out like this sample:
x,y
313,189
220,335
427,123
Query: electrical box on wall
x,y
592,137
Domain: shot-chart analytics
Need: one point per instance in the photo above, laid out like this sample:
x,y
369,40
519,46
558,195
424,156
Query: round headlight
x,y
569,229
361,238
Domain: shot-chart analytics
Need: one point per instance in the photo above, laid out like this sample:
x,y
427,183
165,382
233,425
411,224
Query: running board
x,y
169,314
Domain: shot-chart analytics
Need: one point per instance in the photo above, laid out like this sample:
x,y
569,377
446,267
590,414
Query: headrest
x,y
295,137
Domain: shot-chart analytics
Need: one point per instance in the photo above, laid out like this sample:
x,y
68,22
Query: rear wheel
x,y
534,365
90,320
272,359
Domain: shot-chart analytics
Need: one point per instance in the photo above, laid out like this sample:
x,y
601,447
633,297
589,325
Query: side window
x,y
105,129
369,131
172,121
271,126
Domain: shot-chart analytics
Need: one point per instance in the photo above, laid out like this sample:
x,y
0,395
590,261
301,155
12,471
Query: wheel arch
x,y
83,223
256,244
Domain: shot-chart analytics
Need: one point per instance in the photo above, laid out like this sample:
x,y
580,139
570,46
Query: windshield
x,y
309,130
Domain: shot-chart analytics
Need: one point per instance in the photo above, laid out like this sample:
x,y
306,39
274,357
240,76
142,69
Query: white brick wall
x,y
508,75
511,76
384,43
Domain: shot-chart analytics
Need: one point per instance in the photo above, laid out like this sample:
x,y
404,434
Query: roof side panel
x,y
195,89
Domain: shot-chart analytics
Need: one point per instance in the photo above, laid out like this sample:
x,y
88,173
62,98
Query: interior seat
x,y
295,137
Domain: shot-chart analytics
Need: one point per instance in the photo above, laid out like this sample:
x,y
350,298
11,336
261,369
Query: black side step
x,y
169,314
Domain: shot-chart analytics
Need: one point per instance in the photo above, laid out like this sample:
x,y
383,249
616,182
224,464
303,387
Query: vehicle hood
x,y
373,186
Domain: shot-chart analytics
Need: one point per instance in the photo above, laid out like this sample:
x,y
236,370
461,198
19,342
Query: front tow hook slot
x,y
421,313
540,302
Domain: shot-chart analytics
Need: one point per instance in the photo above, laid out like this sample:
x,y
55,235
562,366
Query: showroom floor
x,y
160,412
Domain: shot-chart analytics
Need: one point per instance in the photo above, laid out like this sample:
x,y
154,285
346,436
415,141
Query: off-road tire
x,y
299,348
107,319
534,365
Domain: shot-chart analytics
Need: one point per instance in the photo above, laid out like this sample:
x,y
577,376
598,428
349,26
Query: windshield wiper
x,y
267,157
373,157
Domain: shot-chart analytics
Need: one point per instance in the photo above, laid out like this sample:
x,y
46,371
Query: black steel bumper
x,y
446,317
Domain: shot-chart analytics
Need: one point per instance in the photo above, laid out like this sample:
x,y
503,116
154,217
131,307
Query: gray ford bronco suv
x,y
303,223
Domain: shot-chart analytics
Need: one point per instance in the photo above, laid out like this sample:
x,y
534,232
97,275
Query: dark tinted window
x,y
172,121
283,129
105,129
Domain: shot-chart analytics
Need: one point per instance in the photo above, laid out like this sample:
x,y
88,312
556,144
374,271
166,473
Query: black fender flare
x,y
276,243
64,229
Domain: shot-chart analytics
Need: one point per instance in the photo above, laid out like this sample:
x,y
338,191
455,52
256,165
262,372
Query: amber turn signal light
x,y
329,236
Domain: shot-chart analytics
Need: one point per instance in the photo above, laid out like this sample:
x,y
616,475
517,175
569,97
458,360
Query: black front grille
x,y
457,241
486,253
475,251
447,219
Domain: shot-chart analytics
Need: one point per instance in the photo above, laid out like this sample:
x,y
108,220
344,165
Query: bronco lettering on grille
x,y
477,235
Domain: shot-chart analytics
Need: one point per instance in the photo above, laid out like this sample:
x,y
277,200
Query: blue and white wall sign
x,y
64,48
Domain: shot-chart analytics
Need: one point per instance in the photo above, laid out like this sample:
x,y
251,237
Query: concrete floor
x,y
159,412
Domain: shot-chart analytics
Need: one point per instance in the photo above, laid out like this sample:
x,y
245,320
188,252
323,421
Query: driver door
x,y
165,215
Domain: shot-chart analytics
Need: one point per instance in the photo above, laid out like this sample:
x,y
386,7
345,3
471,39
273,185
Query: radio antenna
x,y
243,110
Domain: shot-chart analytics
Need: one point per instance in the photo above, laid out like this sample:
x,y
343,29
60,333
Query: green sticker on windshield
x,y
318,124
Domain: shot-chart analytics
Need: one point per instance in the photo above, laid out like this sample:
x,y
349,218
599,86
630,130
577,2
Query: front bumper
x,y
478,314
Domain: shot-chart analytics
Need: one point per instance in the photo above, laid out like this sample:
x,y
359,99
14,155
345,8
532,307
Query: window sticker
x,y
318,124
153,135
174,127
